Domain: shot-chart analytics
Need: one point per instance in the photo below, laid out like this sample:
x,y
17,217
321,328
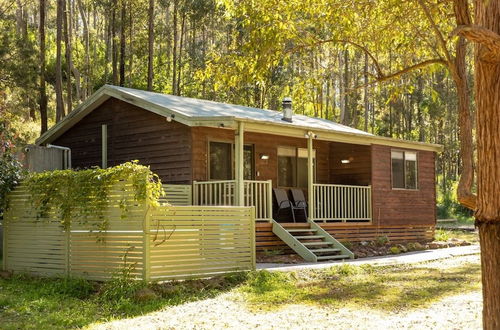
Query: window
x,y
404,169
221,162
292,167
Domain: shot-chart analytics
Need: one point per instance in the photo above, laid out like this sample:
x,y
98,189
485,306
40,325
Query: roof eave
x,y
329,135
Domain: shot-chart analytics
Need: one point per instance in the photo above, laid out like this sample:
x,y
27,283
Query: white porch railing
x,y
256,193
342,203
214,193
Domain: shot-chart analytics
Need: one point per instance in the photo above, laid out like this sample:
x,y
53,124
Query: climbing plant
x,y
85,194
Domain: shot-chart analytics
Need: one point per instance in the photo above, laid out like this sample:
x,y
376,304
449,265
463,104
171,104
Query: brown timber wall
x,y
397,207
358,171
133,133
263,144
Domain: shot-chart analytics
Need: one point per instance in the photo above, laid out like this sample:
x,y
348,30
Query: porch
x,y
331,202
242,166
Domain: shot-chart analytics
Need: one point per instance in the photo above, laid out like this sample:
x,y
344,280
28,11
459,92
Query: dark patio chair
x,y
299,201
284,202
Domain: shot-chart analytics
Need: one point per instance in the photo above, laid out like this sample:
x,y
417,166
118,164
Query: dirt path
x,y
229,311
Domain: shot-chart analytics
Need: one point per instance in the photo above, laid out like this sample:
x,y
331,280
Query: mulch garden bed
x,y
368,249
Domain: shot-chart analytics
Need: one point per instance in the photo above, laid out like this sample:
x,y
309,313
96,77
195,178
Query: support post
x,y
104,147
146,246
310,175
239,160
5,238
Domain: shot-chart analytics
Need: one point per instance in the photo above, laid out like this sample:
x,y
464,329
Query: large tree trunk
x,y
43,92
459,74
150,43
59,96
487,95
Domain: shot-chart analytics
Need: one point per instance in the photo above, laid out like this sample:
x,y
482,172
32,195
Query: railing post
x,y
370,211
252,236
195,193
270,200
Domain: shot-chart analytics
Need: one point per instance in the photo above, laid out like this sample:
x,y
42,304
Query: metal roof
x,y
197,112
197,108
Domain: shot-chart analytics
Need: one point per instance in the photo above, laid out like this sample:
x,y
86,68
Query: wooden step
x,y
324,250
309,237
317,243
338,256
301,230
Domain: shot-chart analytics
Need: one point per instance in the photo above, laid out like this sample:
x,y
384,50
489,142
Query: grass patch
x,y
444,235
36,303
382,288
41,303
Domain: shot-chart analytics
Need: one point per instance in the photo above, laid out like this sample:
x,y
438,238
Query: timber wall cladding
x,y
133,133
152,244
263,144
357,171
402,207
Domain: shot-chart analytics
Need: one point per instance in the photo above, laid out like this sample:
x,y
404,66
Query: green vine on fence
x,y
85,194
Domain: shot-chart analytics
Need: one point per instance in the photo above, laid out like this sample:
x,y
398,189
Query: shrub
x,y
448,205
441,235
381,240
11,170
394,250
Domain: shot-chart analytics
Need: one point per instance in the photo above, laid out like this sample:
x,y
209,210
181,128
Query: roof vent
x,y
287,109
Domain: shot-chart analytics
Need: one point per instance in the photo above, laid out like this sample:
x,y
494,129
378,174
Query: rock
x,y
402,248
433,245
418,246
364,243
360,255
145,294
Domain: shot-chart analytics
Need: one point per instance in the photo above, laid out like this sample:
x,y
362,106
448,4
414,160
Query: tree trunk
x,y
59,96
365,94
174,50
114,48
122,44
459,74
67,41
487,87
150,43
179,60
43,92
87,50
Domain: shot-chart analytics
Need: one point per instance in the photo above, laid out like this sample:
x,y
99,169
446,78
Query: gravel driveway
x,y
228,311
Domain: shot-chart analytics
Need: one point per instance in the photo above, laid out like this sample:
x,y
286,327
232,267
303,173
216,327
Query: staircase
x,y
312,242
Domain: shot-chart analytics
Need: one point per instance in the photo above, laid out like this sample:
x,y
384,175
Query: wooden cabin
x,y
359,186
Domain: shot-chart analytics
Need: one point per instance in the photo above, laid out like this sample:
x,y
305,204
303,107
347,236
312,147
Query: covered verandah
x,y
338,175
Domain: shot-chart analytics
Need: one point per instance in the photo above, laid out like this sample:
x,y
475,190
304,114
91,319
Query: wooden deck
x,y
266,240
